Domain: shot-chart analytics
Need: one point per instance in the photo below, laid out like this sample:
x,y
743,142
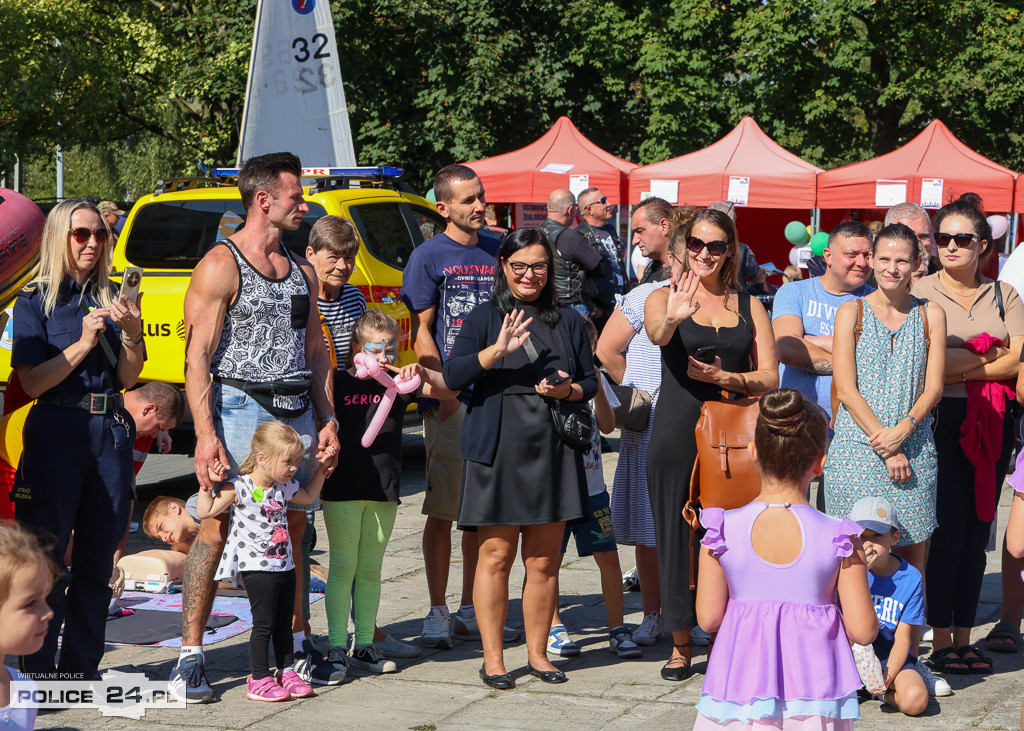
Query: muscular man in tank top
x,y
253,353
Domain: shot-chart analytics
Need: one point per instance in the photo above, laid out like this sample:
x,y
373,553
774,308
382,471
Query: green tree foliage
x,y
151,88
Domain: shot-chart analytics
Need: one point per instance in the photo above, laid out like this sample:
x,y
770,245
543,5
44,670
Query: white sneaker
x,y
437,630
390,647
649,630
699,637
621,643
466,628
937,687
927,634
368,658
631,580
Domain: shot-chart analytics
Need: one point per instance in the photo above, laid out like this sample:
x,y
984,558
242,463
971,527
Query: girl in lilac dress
x,y
786,589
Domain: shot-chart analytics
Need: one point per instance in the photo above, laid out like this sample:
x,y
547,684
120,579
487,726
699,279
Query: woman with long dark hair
x,y
984,335
529,483
704,312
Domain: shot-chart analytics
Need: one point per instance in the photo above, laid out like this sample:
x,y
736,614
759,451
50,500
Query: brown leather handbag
x,y
724,473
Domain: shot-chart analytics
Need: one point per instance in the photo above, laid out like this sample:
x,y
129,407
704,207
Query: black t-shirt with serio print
x,y
370,473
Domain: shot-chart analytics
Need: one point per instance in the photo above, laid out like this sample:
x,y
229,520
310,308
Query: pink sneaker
x,y
294,685
265,689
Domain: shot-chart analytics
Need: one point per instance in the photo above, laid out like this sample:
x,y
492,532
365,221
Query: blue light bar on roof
x,y
385,171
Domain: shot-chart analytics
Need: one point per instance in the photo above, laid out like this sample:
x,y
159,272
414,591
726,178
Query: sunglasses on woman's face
x,y
715,248
961,239
81,235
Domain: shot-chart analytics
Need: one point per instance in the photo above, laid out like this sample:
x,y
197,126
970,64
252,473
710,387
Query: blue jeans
x,y
236,416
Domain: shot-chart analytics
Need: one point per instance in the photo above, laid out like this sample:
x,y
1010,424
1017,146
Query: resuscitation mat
x,y
147,617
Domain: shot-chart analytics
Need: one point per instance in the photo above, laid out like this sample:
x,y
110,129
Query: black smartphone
x,y
707,354
557,379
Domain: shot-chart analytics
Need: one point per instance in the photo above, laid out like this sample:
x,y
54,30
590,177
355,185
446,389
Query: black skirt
x,y
535,478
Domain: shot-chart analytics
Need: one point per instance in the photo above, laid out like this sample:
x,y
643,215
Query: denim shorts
x,y
236,416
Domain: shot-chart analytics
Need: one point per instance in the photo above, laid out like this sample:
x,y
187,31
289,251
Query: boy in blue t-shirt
x,y
898,595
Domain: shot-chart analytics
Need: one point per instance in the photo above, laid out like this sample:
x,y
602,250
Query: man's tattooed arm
x,y
819,367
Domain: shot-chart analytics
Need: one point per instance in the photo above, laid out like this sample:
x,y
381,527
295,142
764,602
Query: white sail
x,y
294,99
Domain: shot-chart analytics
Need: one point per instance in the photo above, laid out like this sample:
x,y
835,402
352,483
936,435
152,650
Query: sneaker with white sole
x,y
314,668
621,643
188,680
927,634
699,637
560,643
937,687
265,689
437,630
368,658
390,647
466,628
649,630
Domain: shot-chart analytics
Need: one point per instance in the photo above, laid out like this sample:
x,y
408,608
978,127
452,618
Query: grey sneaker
x,y
621,643
390,647
437,630
649,630
188,680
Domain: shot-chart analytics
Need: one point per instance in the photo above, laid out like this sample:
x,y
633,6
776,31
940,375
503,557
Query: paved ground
x,y
441,689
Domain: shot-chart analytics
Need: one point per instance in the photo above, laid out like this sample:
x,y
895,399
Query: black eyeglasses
x,y
961,239
519,267
602,201
715,248
82,234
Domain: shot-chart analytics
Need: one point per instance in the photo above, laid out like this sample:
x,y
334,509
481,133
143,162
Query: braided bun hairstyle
x,y
791,433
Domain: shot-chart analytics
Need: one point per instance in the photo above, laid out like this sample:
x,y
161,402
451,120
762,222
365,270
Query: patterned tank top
x,y
264,333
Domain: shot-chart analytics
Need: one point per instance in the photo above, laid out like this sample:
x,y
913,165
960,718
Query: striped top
x,y
643,358
341,315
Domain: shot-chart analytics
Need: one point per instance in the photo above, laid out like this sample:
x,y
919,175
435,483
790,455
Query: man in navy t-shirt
x,y
446,277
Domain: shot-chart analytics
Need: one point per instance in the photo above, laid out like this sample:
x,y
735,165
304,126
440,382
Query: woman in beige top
x,y
974,305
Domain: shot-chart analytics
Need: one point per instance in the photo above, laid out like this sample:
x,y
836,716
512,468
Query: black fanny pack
x,y
283,399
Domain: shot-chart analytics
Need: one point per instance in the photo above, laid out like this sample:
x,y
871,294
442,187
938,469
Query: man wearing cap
x,y
112,215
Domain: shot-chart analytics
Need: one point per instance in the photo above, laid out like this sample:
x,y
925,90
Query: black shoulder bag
x,y
574,420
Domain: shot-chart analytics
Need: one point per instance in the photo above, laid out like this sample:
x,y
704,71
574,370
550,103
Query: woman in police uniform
x,y
76,346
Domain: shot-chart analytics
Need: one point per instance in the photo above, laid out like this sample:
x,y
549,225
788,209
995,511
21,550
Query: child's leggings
x,y
271,598
358,531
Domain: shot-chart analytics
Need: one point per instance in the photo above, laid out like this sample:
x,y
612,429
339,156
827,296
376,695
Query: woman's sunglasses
x,y
961,239
81,235
715,248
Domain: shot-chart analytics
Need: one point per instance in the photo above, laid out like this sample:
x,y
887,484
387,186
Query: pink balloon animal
x,y
368,367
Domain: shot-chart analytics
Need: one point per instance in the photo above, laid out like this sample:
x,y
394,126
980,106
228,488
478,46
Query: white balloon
x,y
999,226
794,256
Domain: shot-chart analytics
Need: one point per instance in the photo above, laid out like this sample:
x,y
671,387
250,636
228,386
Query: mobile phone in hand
x,y
130,283
707,354
557,379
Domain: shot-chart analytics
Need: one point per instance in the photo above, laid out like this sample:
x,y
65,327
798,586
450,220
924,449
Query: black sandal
x,y
979,664
948,661
678,668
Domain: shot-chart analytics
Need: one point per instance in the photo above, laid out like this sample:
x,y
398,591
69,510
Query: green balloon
x,y
796,233
430,195
819,242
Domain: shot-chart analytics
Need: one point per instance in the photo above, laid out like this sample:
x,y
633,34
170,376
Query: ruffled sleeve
x,y
1016,480
714,520
841,541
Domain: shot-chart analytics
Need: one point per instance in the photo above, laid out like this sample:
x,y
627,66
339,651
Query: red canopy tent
x,y
1018,196
529,174
935,155
775,178
770,185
